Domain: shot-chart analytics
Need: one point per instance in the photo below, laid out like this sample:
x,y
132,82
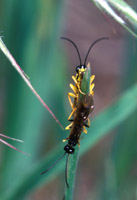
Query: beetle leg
x,y
71,95
84,130
64,140
74,109
88,122
69,126
92,78
91,89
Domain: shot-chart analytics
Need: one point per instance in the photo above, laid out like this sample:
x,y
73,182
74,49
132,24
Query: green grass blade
x,y
72,161
72,166
85,86
103,123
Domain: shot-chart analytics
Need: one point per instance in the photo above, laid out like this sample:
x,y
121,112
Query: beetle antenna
x,y
64,38
53,164
98,40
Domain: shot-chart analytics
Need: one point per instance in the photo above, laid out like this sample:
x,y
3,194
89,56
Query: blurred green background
x,y
32,30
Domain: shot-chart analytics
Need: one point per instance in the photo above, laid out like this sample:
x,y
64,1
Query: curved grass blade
x,y
25,78
114,114
121,12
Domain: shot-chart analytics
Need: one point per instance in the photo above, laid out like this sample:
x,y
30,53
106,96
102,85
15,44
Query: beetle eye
x,y
77,69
